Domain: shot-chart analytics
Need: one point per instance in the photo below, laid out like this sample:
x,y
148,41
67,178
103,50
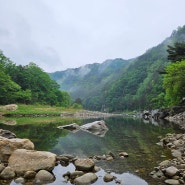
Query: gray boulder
x,y
98,128
23,160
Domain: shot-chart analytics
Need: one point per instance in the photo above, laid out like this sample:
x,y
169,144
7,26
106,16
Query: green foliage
x,y
28,84
174,82
176,52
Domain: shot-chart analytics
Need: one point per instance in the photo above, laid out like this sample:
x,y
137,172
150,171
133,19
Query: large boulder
x,y
8,146
23,160
98,128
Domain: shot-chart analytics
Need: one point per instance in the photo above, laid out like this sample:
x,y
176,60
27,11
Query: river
x,y
133,136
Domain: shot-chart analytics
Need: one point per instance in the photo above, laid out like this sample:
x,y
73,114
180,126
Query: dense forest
x,y
135,84
28,84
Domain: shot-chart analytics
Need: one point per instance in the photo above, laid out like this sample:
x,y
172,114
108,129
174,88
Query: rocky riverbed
x,y
21,163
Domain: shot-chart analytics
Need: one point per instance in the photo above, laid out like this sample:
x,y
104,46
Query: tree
x,y
174,82
176,52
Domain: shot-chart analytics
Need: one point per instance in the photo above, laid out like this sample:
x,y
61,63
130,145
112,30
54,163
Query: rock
x,y
164,163
63,159
23,160
124,154
44,176
2,167
172,182
171,171
84,164
70,127
7,134
86,179
70,157
9,122
76,174
29,175
109,158
8,146
108,177
176,153
11,107
112,154
7,173
19,180
97,128
97,169
146,114
178,143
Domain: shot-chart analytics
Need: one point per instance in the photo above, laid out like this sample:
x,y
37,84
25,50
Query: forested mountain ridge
x,y
141,86
28,84
91,78
133,86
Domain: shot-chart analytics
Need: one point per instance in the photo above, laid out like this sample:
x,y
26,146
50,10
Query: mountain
x,y
118,85
90,79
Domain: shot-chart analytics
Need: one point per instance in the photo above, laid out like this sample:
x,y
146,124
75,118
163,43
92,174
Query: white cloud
x,y
62,34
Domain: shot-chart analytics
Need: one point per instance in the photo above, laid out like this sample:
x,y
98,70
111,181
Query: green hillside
x,y
90,80
119,85
141,86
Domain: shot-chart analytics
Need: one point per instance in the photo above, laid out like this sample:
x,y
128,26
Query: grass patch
x,y
37,110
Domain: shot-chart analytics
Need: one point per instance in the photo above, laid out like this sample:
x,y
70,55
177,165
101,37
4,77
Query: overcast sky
x,y
61,34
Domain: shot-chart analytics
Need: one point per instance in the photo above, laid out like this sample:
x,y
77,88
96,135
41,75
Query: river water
x,y
133,136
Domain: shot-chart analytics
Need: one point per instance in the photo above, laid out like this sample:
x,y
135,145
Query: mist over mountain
x,y
118,85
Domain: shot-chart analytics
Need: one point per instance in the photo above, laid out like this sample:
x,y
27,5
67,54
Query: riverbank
x,y
14,110
172,171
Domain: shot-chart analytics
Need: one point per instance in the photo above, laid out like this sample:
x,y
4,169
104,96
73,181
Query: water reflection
x,y
135,137
125,178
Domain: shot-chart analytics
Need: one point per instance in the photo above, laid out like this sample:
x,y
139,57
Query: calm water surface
x,y
135,137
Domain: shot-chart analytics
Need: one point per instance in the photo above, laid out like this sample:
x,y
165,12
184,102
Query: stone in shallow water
x,y
44,176
85,179
172,182
84,164
108,177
